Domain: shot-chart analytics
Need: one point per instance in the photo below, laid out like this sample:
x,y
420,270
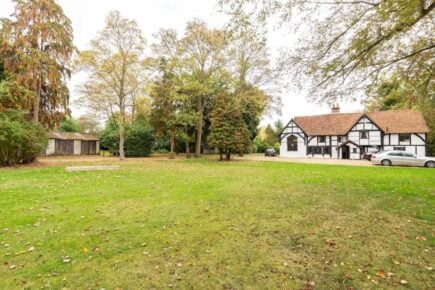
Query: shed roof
x,y
71,136
398,121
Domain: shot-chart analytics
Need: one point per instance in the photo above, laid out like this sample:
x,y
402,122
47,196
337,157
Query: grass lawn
x,y
204,224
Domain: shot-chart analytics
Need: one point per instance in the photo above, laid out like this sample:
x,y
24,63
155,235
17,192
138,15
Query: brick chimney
x,y
335,108
376,108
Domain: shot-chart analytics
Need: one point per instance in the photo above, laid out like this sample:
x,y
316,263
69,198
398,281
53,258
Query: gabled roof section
x,y
399,121
348,142
71,136
328,124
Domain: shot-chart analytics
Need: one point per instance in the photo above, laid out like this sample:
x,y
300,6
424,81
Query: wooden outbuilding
x,y
68,143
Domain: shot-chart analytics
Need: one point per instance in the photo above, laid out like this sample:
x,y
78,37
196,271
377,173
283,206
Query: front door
x,y
345,152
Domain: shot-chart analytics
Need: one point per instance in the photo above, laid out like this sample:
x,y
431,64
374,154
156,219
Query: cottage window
x,y
326,150
321,139
317,150
399,148
354,150
404,137
364,135
292,143
339,139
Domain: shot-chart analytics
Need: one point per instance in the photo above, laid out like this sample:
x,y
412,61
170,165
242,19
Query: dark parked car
x,y
369,153
270,152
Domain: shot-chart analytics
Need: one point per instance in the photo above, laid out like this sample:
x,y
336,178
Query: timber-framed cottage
x,y
351,135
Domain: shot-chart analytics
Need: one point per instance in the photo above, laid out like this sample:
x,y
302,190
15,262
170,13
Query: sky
x,y
88,18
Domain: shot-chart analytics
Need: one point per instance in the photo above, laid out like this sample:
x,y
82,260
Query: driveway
x,y
333,161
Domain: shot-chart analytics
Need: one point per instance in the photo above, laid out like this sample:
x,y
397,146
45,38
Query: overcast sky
x,y
88,17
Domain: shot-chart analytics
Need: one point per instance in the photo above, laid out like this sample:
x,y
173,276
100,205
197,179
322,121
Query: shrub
x,y
259,145
21,141
139,138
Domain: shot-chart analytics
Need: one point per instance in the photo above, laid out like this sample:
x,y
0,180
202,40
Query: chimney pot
x,y
335,109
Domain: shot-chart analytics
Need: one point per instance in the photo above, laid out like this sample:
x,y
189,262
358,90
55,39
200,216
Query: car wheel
x,y
430,164
386,162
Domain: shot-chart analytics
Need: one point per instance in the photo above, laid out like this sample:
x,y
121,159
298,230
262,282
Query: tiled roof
x,y
328,124
399,121
71,136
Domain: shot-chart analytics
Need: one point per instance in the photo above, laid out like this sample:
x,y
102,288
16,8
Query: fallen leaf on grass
x,y
420,238
85,250
31,249
380,274
12,267
331,243
403,282
20,253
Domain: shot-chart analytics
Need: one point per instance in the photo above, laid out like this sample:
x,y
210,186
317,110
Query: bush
x,y
259,145
139,138
21,141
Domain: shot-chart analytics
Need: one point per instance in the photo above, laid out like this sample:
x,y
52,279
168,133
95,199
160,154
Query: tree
x,y
258,81
21,141
139,137
349,46
270,136
69,125
115,68
279,127
37,46
203,54
403,92
88,124
228,131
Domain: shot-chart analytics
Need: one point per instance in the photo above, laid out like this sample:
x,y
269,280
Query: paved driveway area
x,y
310,160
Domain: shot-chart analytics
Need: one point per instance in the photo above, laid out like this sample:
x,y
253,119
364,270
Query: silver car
x,y
388,158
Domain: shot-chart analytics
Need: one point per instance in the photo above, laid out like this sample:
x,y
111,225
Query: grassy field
x,y
204,224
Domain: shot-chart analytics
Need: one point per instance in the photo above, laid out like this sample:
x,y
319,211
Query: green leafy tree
x,y
37,47
69,125
21,141
270,136
169,114
279,127
140,138
398,93
203,53
228,131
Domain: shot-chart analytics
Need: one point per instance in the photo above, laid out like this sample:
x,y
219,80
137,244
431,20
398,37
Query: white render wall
x,y
302,149
77,147
50,147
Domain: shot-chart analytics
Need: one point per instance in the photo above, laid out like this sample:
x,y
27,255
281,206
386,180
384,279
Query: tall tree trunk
x,y
228,157
199,128
172,154
221,152
121,134
187,144
122,112
37,101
